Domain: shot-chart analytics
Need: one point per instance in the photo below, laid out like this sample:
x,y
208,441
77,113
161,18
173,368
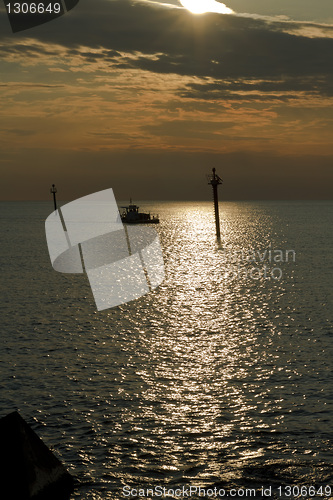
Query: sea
x,y
217,384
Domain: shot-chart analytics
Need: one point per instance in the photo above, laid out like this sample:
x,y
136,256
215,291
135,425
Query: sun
x,y
202,6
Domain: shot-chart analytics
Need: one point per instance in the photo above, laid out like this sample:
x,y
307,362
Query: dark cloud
x,y
23,85
284,88
91,124
19,132
229,50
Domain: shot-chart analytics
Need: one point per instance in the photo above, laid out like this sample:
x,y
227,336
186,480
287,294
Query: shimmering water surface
x,y
222,377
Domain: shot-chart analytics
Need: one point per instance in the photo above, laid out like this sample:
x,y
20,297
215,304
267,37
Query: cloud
x,y
277,89
163,93
23,85
18,132
231,56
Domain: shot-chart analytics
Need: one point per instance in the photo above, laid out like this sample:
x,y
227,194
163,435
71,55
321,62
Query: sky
x,y
146,97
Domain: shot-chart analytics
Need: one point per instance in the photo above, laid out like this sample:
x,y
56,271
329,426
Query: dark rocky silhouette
x,y
28,469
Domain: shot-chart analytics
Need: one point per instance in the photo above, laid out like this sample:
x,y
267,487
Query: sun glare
x,y
202,6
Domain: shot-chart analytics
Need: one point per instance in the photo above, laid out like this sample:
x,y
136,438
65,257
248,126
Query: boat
x,y
131,215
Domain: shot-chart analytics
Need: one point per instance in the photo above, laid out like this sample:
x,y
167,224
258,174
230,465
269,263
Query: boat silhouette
x,y
131,215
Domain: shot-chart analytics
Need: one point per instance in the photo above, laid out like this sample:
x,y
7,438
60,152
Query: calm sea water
x,y
221,378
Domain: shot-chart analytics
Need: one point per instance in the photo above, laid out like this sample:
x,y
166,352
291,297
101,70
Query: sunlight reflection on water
x,y
207,380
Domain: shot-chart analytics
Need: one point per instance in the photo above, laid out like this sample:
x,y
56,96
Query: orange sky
x,y
91,103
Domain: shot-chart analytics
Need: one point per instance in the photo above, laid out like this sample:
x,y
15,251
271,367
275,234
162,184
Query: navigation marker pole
x,y
53,190
214,181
